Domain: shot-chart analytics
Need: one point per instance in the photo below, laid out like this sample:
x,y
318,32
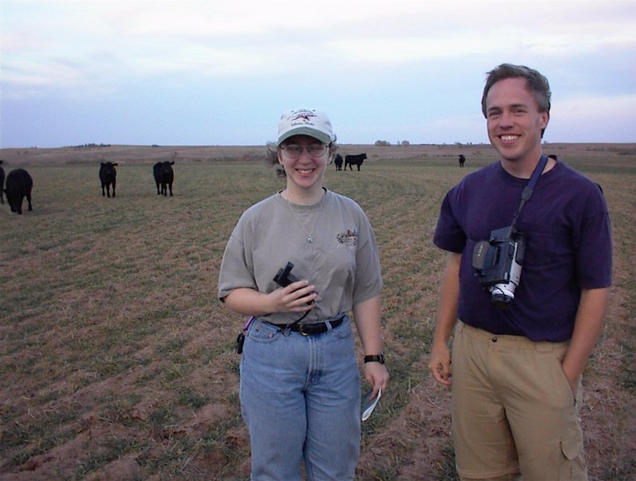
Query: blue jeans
x,y
300,399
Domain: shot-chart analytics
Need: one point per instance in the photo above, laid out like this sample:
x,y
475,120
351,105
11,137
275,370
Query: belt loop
x,y
329,326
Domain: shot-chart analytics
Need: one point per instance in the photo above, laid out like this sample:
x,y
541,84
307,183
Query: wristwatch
x,y
374,358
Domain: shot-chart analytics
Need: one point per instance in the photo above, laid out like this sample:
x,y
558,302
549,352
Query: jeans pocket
x,y
343,331
263,333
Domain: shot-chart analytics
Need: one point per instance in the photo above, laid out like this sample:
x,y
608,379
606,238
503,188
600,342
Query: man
x,y
516,371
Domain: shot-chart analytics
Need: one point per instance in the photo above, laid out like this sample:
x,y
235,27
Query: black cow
x,y
19,185
461,160
108,177
352,160
164,175
338,161
1,183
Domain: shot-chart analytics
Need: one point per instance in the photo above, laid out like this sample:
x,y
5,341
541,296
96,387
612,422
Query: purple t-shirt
x,y
568,247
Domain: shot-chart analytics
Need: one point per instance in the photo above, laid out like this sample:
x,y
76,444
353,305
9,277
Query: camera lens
x,y
501,299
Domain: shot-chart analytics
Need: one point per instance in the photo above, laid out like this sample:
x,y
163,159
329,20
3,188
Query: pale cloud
x,y
579,107
593,118
390,53
31,73
237,37
203,59
379,50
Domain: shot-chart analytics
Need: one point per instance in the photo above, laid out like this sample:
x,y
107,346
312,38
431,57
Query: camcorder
x,y
498,263
284,277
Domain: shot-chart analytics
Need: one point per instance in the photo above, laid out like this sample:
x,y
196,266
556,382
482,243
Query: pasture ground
x,y
117,361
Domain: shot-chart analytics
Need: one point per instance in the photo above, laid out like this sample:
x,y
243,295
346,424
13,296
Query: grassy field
x,y
117,360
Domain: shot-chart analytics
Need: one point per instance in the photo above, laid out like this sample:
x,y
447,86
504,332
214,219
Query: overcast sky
x,y
220,72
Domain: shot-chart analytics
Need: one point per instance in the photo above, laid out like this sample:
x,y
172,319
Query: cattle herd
x,y
19,183
349,160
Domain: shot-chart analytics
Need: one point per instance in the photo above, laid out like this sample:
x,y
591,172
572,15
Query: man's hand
x,y
440,365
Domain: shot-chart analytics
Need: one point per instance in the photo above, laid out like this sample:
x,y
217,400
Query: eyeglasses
x,y
294,151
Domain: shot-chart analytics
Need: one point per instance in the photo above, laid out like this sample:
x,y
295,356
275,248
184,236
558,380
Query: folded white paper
x,y
370,405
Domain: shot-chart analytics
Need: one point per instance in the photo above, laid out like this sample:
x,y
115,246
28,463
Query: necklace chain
x,y
303,225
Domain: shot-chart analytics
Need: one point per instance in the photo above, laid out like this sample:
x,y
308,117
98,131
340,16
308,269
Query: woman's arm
x,y
293,298
367,319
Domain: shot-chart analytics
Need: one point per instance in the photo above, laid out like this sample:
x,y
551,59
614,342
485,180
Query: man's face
x,y
514,120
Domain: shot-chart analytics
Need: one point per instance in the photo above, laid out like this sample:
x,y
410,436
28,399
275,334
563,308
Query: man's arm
x,y
440,364
587,326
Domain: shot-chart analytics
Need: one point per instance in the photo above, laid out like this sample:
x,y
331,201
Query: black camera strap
x,y
295,323
526,193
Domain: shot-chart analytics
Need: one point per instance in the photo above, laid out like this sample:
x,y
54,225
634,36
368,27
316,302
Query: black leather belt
x,y
311,329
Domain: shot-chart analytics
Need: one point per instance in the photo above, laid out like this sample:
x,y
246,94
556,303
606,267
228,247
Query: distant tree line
x,y
90,146
386,143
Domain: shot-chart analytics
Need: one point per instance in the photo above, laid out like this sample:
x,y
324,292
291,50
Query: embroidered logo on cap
x,y
304,115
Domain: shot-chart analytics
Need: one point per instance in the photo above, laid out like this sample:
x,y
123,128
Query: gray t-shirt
x,y
331,245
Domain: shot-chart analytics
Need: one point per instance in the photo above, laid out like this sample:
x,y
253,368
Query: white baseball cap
x,y
305,122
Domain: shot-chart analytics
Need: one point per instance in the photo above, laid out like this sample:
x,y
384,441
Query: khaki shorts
x,y
513,409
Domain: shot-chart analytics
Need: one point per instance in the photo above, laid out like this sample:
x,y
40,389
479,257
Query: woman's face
x,y
304,159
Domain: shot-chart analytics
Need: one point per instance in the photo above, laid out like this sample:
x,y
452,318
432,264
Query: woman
x,y
300,386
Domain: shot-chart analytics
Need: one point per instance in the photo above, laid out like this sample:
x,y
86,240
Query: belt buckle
x,y
301,330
